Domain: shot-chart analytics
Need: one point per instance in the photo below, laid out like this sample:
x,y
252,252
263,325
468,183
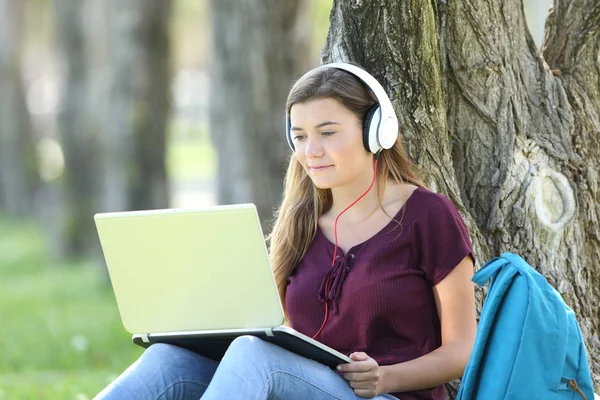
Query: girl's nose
x,y
314,147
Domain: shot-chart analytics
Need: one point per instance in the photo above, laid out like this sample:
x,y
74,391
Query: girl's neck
x,y
343,197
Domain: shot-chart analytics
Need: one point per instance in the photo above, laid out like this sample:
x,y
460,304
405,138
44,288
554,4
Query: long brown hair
x,y
303,203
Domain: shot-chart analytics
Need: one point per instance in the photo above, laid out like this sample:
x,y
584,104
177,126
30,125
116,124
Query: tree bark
x,y
19,179
512,143
133,138
259,47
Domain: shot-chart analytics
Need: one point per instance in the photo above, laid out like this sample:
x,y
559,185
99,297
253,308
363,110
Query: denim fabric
x,y
251,369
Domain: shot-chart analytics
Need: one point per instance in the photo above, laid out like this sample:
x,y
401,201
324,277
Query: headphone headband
x,y
387,108
381,123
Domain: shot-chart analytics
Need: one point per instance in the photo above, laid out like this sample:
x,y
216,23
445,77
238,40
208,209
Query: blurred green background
x,y
62,337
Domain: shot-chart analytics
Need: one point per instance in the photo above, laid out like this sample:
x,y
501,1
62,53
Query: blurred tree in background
x,y
249,81
104,106
104,135
134,134
72,227
114,143
19,179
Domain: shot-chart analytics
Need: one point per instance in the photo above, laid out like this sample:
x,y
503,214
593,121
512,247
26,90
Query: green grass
x,y
62,337
78,385
61,333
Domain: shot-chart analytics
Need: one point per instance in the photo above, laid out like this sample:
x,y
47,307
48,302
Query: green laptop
x,y
198,278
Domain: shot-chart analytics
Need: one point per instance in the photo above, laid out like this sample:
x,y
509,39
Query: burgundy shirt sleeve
x,y
444,239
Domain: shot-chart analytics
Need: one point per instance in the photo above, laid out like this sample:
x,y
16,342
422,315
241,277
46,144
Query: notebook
x,y
198,278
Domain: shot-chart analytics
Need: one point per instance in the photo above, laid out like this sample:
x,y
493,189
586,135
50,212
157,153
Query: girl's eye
x,y
298,137
328,133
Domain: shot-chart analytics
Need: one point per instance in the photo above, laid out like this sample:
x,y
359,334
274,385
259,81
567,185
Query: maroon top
x,y
380,292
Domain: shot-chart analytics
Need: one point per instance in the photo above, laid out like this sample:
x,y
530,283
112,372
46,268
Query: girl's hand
x,y
363,375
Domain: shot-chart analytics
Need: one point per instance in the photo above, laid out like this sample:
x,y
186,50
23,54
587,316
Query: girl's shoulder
x,y
432,202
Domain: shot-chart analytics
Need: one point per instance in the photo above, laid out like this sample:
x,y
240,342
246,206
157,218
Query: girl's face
x,y
328,143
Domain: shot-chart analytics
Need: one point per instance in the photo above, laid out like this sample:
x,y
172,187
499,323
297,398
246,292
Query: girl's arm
x,y
455,301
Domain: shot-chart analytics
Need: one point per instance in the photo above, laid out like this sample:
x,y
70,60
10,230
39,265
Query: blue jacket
x,y
528,344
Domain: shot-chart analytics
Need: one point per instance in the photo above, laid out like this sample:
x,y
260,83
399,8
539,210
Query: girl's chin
x,y
321,184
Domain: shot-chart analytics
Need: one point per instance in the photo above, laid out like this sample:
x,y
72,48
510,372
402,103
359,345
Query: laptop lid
x,y
190,269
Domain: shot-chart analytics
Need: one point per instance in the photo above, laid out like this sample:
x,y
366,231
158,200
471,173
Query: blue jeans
x,y
251,369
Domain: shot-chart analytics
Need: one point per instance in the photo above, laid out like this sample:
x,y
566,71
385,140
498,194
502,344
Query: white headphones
x,y
380,129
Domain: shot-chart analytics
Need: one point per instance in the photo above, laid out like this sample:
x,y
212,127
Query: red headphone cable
x,y
336,240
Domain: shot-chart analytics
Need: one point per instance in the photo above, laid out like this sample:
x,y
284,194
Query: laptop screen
x,y
190,269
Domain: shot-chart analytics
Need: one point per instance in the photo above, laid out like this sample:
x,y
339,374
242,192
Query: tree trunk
x,y
19,179
78,138
133,138
113,121
259,47
513,144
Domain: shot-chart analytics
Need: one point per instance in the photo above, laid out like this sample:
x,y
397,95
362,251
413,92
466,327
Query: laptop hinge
x,y
269,332
144,337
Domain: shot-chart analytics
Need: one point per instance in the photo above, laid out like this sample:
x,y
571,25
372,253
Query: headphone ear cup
x,y
370,126
288,133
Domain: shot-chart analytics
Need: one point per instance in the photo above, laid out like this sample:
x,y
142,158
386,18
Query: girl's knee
x,y
162,350
248,345
163,354
262,354
174,363
244,348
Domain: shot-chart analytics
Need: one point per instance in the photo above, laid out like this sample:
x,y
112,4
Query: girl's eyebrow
x,y
322,124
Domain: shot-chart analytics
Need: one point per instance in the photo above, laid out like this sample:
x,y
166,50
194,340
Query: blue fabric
x,y
528,343
251,369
